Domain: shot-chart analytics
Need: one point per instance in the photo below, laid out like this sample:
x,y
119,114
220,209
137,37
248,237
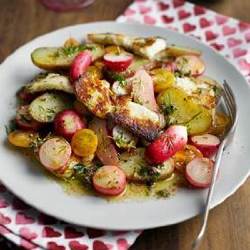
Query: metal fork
x,y
231,106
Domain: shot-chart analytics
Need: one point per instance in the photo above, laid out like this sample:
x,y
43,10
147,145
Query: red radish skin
x,y
109,180
26,97
80,65
143,90
208,144
167,144
199,171
24,119
117,62
190,64
67,122
54,153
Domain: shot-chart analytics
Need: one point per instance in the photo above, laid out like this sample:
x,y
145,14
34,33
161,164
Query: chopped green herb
x,y
85,173
217,90
118,77
144,171
151,173
163,193
70,51
25,118
169,109
37,142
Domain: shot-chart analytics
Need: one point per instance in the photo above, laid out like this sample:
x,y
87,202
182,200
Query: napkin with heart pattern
x,y
32,229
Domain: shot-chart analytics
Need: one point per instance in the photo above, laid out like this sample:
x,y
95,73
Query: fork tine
x,y
228,104
229,99
230,94
231,106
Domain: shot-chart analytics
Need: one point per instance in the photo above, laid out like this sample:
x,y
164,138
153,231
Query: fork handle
x,y
210,194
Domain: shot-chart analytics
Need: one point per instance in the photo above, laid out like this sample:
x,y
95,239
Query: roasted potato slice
x,y
55,58
180,109
45,107
49,81
138,170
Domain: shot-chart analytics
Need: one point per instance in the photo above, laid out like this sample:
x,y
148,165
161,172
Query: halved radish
x,y
109,180
208,144
167,144
143,90
54,153
80,64
24,119
118,62
67,122
199,172
190,65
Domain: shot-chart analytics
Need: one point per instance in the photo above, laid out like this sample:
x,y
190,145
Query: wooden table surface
x,y
229,223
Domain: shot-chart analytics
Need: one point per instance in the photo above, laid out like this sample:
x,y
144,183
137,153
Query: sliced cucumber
x,y
49,81
45,107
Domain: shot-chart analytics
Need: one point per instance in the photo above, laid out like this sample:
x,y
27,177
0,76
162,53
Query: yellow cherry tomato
x,y
22,139
84,142
162,79
183,157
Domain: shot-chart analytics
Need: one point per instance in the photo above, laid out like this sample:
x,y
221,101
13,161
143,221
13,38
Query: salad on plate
x,y
121,116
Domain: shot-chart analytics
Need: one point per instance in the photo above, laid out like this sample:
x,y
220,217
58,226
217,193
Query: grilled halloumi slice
x,y
146,47
138,119
95,95
49,81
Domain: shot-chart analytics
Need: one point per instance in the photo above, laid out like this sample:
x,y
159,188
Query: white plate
x,y
29,183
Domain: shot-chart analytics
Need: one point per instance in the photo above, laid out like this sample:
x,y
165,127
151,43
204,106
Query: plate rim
x,y
152,225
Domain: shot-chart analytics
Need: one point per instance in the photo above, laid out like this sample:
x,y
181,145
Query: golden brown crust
x,y
95,95
146,126
143,128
